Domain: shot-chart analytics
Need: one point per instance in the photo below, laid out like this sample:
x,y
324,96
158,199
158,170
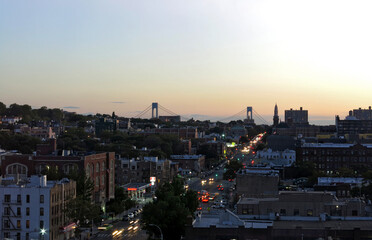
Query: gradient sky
x,y
208,57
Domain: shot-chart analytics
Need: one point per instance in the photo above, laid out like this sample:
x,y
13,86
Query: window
x,y
6,235
97,167
310,212
18,223
27,198
18,211
41,211
27,223
296,212
7,198
354,213
6,211
103,167
6,224
28,211
18,198
97,181
102,180
18,236
250,211
27,236
283,212
41,224
41,198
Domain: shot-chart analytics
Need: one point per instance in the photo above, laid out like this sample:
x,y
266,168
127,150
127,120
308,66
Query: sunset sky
x,y
207,57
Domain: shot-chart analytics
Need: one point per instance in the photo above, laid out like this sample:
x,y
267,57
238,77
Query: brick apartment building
x,y
99,167
140,171
330,157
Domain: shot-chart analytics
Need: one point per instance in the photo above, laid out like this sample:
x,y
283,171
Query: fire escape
x,y
10,217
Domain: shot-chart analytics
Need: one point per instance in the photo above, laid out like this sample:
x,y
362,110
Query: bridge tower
x,y
249,115
156,108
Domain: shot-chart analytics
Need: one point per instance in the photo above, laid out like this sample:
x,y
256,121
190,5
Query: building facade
x,y
140,171
296,117
99,167
302,204
34,210
330,157
195,163
257,182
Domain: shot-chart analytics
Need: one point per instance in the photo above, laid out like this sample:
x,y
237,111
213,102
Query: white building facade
x,y
25,209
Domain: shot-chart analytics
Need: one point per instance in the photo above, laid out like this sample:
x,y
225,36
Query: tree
x,y
52,173
2,108
121,201
84,185
231,169
82,210
170,210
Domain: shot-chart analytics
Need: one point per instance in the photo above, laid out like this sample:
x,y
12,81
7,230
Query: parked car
x,y
130,215
125,218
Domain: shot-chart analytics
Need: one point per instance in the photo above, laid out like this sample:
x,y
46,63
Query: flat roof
x,y
343,225
332,145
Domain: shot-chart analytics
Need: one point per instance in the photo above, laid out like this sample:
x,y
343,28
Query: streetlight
x,y
42,232
161,233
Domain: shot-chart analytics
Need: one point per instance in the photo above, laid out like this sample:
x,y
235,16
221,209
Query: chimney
x,y
300,108
350,113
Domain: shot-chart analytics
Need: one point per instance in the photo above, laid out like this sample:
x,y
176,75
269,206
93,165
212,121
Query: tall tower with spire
x,y
276,116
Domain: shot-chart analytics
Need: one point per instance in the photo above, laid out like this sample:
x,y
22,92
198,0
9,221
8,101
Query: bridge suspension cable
x,y
259,117
170,112
233,116
143,112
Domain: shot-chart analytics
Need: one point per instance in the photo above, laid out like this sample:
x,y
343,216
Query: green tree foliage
x,y
52,173
231,169
170,210
121,201
2,108
81,208
28,114
84,185
23,143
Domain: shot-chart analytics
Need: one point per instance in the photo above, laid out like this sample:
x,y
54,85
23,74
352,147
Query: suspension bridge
x,y
248,114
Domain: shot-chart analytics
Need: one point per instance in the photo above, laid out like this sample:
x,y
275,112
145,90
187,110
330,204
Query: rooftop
x,y
332,145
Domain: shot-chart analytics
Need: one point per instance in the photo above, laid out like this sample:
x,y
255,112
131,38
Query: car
x,y
125,218
130,215
105,227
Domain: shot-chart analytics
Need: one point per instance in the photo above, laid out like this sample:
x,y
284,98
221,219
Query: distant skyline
x,y
211,57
